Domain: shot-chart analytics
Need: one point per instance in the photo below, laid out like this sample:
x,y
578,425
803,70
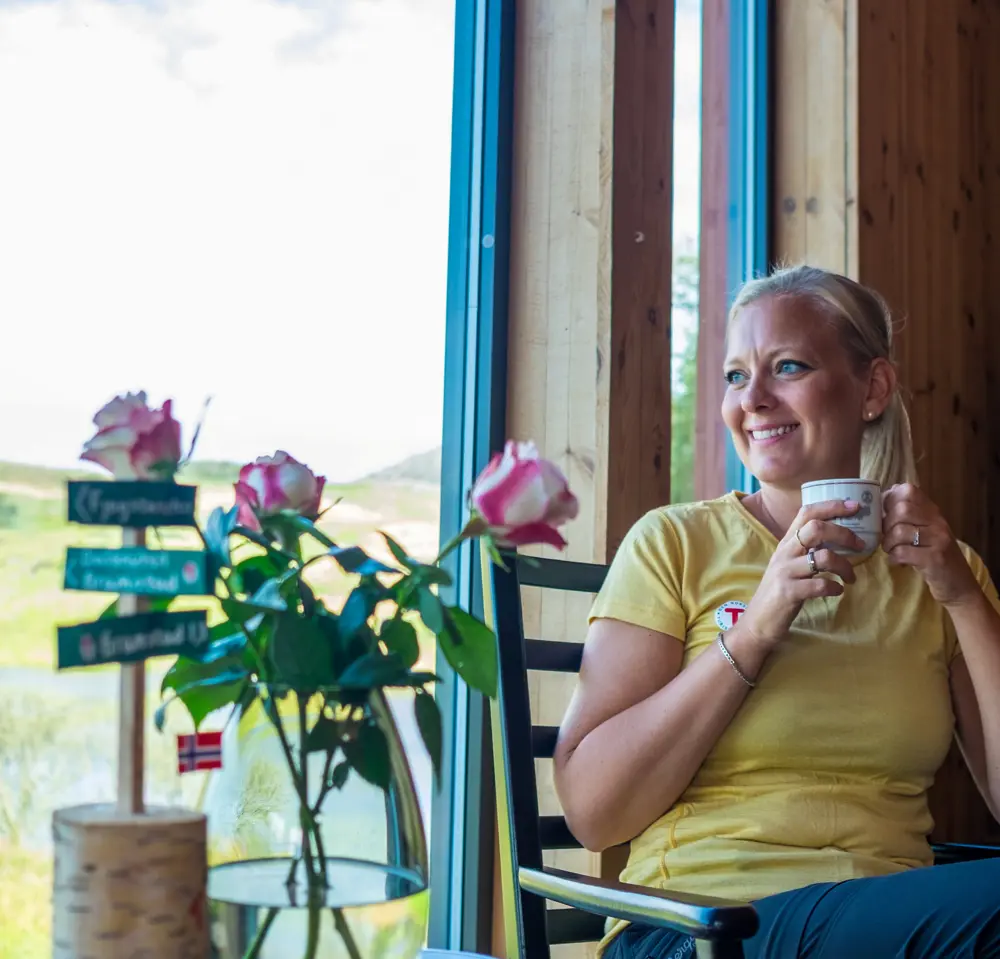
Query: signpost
x,y
132,639
136,573
134,504
147,572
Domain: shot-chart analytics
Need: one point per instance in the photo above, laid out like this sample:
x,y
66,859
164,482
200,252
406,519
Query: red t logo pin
x,y
734,613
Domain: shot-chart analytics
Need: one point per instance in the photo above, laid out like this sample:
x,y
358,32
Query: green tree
x,y
684,382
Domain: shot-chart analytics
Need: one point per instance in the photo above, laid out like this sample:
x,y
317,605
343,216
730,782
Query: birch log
x,y
129,885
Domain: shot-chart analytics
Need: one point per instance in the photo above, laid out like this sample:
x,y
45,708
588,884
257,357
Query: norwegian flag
x,y
200,751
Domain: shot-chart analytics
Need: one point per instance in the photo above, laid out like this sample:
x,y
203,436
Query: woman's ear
x,y
881,386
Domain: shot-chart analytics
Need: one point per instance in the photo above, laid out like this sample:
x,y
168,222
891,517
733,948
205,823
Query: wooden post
x,y
131,705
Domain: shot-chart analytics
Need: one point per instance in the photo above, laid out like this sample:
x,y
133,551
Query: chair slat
x,y
553,656
543,741
573,925
555,833
560,574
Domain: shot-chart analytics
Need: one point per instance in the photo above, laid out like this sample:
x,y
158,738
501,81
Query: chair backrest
x,y
529,926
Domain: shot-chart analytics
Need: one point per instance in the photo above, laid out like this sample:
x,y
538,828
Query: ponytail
x,y
887,447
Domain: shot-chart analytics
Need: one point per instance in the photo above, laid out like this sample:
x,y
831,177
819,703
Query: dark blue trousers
x,y
938,912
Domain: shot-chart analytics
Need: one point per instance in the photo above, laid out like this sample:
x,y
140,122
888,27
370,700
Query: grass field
x,y
57,731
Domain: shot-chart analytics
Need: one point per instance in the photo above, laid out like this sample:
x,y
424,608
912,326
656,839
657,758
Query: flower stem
x,y
305,814
340,921
312,940
261,935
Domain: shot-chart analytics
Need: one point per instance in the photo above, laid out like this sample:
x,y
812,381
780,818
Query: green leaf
x,y
374,669
303,525
400,638
470,648
369,755
360,605
428,716
268,596
353,559
433,574
339,775
157,604
220,648
204,695
300,654
398,551
324,736
251,574
220,524
431,610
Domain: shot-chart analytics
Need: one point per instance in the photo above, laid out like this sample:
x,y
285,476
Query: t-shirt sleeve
x,y
643,586
985,581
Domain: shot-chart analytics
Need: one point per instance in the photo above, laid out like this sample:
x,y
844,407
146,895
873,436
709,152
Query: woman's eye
x,y
790,366
735,377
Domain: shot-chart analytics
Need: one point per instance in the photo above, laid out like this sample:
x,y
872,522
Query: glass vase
x,y
308,859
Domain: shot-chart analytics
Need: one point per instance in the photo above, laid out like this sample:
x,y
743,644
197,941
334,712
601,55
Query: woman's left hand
x,y
914,533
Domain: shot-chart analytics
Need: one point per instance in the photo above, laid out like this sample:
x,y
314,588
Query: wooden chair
x,y
719,926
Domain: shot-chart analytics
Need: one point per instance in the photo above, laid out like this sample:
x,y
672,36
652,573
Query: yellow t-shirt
x,y
823,773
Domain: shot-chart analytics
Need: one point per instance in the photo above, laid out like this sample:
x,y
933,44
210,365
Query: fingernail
x,y
850,503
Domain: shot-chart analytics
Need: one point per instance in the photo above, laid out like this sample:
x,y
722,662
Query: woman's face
x,y
795,406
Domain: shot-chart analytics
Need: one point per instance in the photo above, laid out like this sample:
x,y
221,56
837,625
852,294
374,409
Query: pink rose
x,y
522,498
135,442
275,483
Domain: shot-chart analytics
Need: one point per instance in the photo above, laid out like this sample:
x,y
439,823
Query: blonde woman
x,y
761,732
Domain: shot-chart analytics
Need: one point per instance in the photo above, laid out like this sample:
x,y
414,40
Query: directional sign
x,y
145,572
130,503
129,639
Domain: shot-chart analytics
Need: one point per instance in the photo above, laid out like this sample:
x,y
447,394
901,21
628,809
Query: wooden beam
x,y
888,168
928,130
711,438
642,183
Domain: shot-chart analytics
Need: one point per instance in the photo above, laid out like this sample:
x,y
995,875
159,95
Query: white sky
x,y
247,198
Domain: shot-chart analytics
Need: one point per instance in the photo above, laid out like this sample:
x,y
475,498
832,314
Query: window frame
x,y
749,168
475,387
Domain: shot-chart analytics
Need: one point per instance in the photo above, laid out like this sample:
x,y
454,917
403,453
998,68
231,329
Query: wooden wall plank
x,y
641,233
791,124
589,351
928,116
560,309
711,438
921,198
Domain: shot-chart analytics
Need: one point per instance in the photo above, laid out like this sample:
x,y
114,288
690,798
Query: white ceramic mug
x,y
866,522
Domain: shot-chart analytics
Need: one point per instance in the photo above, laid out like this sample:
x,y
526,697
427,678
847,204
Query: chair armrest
x,y
703,917
946,853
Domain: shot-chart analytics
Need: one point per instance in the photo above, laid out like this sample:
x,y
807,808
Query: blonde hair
x,y
865,324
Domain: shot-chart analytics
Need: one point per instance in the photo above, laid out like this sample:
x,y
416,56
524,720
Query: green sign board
x,y
132,569
129,639
132,503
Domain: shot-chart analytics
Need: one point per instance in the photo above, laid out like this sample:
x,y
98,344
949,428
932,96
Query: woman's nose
x,y
756,396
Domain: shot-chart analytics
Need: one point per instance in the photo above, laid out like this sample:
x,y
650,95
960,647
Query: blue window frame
x,y
749,175
474,412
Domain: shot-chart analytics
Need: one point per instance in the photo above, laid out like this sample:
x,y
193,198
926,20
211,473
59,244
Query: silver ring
x,y
916,536
803,545
811,556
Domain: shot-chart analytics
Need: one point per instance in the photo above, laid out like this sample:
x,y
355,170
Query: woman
x,y
762,733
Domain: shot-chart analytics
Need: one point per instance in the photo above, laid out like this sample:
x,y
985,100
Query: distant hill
x,y
419,468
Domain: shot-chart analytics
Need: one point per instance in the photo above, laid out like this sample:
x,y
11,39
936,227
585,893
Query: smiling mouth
x,y
773,432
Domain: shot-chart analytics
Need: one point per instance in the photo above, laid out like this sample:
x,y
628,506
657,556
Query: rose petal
x,y
246,501
115,459
531,534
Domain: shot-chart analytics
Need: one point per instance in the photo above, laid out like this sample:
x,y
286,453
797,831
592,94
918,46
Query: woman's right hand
x,y
790,580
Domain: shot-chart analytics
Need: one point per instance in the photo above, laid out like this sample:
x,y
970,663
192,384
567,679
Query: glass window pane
x,y
246,201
